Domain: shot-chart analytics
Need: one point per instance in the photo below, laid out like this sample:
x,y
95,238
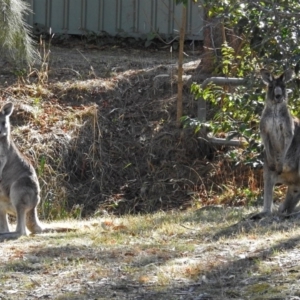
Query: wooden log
x,y
242,143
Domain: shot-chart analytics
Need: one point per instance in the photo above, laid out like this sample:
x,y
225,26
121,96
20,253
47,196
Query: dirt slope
x,y
100,129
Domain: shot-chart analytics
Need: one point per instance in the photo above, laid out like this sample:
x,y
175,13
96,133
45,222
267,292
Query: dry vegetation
x,y
99,126
197,254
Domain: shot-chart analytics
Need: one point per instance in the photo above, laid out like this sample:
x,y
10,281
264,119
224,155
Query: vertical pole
x,y
180,63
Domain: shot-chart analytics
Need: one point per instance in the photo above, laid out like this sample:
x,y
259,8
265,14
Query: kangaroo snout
x,y
2,133
278,95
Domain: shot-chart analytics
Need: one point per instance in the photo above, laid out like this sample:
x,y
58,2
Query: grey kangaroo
x,y
19,186
280,134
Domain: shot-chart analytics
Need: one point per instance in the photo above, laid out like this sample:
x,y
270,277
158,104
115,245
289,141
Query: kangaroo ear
x,y
7,109
287,75
266,76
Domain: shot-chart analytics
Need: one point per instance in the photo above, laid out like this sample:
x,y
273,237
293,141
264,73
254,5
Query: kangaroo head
x,y
5,112
276,85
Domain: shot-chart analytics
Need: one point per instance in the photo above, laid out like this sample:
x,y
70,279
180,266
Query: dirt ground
x,y
202,254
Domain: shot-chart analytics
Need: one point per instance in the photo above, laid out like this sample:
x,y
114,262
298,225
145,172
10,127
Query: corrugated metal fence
x,y
135,18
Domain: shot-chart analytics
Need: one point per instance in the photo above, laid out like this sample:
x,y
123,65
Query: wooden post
x,y
180,63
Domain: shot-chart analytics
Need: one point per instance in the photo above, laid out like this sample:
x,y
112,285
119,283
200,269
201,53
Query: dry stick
x,y
87,60
189,228
242,143
180,63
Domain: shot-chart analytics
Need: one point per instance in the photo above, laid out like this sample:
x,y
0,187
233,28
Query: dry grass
x,y
106,143
213,252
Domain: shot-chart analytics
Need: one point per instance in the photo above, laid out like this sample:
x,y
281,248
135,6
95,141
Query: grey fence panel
x,y
162,17
110,16
75,16
55,15
41,8
128,17
144,17
195,20
94,16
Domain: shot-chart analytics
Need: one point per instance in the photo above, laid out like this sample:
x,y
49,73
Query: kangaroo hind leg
x,y
22,201
3,221
269,182
32,221
21,227
291,200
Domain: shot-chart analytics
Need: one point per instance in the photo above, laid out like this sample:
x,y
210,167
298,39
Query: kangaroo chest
x,y
278,126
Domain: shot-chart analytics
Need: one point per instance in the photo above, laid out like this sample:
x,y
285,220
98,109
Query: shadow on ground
x,y
237,261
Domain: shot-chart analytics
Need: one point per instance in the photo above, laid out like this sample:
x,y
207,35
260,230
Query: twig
x,y
189,228
83,56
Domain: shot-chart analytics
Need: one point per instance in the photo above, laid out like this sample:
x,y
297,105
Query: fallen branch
x,y
242,143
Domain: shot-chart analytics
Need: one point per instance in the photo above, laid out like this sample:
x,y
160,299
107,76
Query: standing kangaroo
x,y
19,186
280,133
